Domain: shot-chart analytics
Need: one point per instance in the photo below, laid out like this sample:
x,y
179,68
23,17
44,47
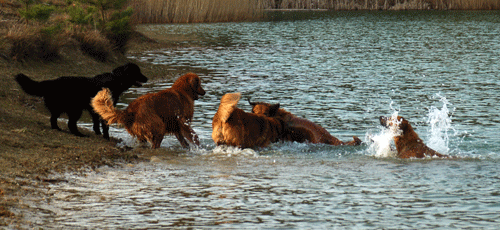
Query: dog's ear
x,y
383,121
121,70
253,104
273,109
404,125
194,82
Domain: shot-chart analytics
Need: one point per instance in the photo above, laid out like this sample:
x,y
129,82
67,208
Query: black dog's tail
x,y
29,86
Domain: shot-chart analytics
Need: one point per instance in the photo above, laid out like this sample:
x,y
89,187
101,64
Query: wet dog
x,y
72,95
299,129
233,126
152,116
408,143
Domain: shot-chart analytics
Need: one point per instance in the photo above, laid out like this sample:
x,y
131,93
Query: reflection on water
x,y
341,70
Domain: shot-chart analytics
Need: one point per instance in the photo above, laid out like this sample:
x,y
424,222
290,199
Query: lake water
x,y
342,70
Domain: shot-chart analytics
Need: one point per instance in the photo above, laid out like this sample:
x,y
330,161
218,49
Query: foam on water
x,y
232,151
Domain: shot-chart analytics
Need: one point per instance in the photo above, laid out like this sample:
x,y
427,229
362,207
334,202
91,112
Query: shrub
x,y
52,30
39,12
94,44
119,30
80,16
116,28
31,42
105,5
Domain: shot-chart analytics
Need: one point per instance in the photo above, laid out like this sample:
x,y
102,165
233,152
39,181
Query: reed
x,y
187,11
384,4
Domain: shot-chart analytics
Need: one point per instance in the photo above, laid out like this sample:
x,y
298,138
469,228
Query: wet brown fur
x,y
151,116
300,129
233,126
408,143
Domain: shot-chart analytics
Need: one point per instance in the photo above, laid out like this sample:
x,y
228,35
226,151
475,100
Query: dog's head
x,y
265,109
396,123
190,82
131,73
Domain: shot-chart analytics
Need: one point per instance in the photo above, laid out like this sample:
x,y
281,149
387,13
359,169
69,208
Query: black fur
x,y
72,95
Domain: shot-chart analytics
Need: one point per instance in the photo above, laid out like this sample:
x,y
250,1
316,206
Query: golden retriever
x,y
299,129
153,115
408,143
233,126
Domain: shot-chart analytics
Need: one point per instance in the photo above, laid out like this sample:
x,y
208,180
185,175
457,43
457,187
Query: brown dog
x,y
408,144
299,129
153,115
233,126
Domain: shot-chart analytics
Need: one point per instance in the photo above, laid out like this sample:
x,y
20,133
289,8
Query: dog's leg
x,y
156,141
354,142
105,130
331,140
53,120
182,140
96,120
74,116
188,133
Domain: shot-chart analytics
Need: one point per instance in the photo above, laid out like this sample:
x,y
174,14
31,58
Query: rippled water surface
x,y
342,71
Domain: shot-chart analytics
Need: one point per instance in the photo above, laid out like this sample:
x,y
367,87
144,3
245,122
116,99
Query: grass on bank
x,y
38,29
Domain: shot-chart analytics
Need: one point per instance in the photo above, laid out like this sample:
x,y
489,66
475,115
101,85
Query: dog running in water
x,y
408,143
233,126
299,129
151,116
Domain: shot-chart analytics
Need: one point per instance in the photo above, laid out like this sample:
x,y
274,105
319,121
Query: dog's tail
x,y
227,105
29,86
103,105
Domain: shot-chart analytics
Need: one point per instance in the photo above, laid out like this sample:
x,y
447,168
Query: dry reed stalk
x,y
186,11
384,4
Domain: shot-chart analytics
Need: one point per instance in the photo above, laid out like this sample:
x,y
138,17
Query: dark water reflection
x,y
341,70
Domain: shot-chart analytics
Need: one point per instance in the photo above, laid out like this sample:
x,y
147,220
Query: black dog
x,y
72,95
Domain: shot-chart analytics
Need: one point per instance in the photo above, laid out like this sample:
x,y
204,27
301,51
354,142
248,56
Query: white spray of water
x,y
439,124
382,143
233,151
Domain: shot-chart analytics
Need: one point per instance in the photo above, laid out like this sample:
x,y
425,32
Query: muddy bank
x,y
31,152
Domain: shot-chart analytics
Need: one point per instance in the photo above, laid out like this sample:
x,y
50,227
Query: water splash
x,y
439,121
233,151
382,144
439,124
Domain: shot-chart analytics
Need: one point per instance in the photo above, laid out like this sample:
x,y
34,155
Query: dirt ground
x,y
30,151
